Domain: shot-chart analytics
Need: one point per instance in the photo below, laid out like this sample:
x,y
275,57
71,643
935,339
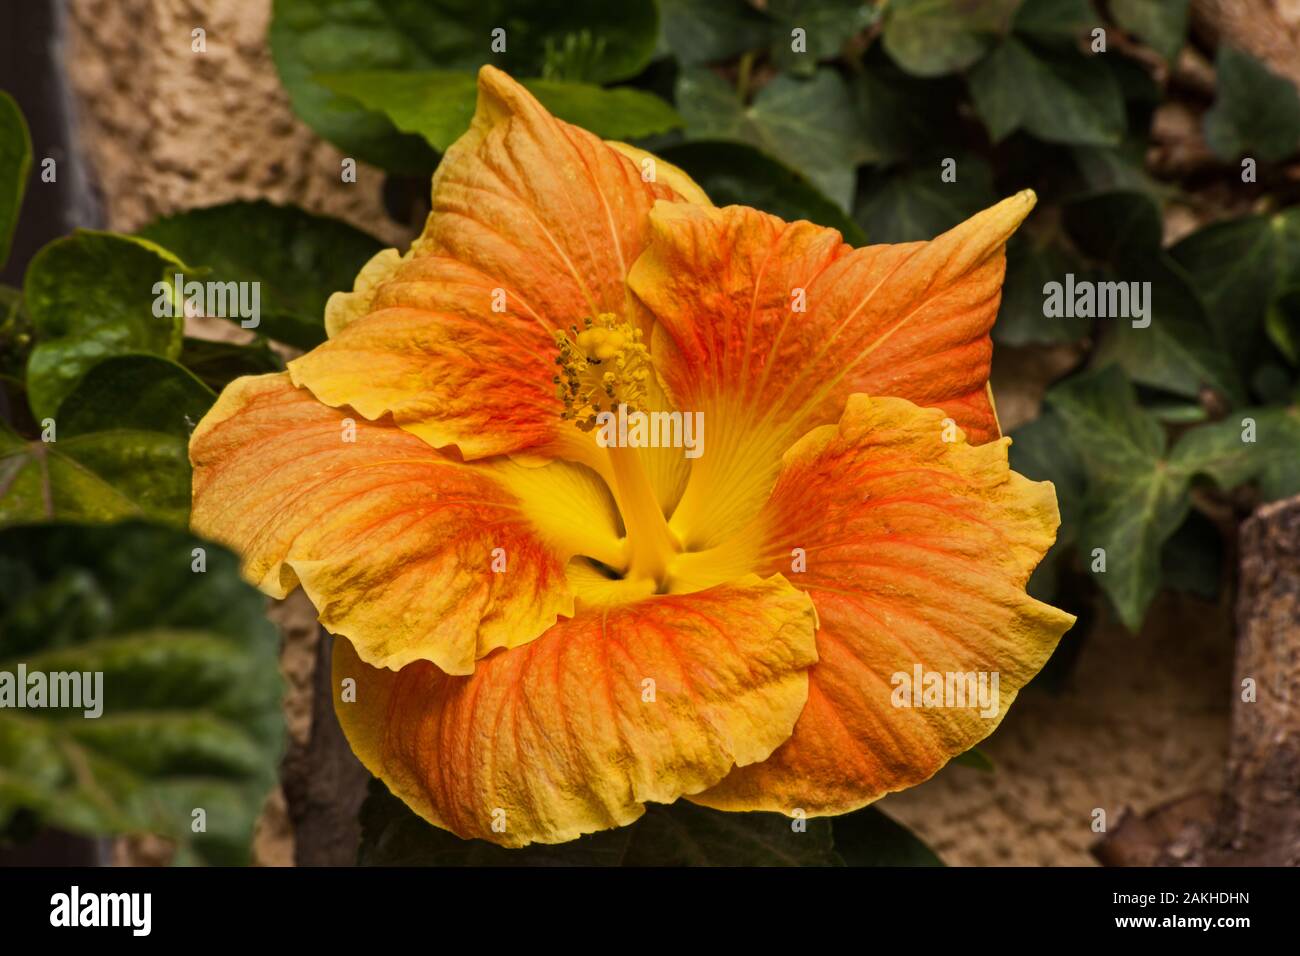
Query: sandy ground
x,y
1141,721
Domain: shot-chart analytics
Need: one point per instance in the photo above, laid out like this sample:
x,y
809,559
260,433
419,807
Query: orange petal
x,y
606,711
394,542
535,224
917,551
767,327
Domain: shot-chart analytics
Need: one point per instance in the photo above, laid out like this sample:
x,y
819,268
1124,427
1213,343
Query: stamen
x,y
602,365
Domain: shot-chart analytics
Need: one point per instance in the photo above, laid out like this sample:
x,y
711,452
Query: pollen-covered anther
x,y
602,364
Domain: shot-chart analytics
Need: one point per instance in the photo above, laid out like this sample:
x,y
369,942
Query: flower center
x,y
602,364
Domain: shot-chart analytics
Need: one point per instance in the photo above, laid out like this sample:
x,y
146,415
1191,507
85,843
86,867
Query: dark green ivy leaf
x,y
810,125
706,31
935,37
1239,267
1256,113
914,203
1134,502
1054,20
826,26
737,174
1032,262
1058,95
1260,445
1161,23
1042,450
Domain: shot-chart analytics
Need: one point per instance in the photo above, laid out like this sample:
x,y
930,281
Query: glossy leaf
x,y
583,40
438,105
119,448
297,259
92,295
217,364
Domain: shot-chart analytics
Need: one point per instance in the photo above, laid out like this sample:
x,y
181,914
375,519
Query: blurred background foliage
x,y
889,121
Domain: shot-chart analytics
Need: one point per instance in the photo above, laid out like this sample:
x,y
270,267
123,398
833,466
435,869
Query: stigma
x,y
602,364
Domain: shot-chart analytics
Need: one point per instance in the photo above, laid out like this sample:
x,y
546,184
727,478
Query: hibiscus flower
x,y
541,627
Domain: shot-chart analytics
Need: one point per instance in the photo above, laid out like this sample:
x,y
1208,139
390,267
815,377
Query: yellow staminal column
x,y
651,545
603,365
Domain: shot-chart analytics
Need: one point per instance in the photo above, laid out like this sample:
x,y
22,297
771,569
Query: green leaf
x,y
190,688
217,364
322,36
120,448
15,337
1107,169
1260,445
1042,451
297,260
1282,324
935,37
1162,23
1135,499
706,31
1032,262
1064,20
736,174
1117,226
976,759
1179,351
135,392
585,40
91,295
682,834
439,105
1239,267
1191,561
868,837
1058,95
810,125
15,162
903,118
914,203
827,25
1256,112
685,834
